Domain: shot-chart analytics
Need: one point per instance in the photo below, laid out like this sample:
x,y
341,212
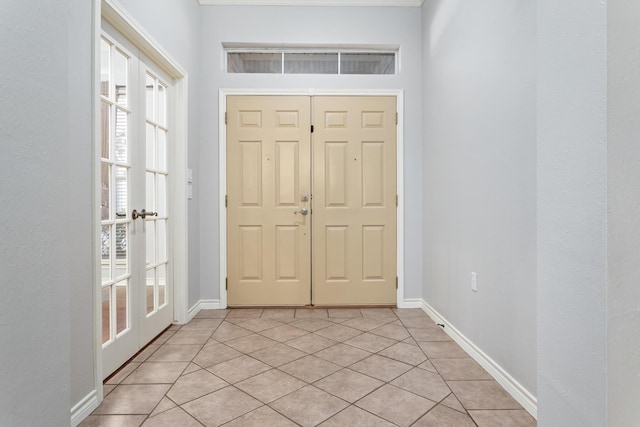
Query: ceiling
x,y
311,2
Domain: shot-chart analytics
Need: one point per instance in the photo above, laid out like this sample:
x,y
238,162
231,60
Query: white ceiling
x,y
312,2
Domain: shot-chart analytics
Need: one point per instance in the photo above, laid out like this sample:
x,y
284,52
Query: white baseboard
x,y
84,408
203,304
513,387
210,304
411,303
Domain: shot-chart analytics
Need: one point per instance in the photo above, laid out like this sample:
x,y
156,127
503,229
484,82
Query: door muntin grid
x,y
156,179
115,172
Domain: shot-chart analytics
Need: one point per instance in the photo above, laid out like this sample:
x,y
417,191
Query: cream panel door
x,y
268,190
354,200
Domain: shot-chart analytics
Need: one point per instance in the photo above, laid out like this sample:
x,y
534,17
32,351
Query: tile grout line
x,y
181,374
290,321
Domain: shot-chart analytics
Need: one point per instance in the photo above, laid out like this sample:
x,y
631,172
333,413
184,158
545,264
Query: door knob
x,y
142,214
303,211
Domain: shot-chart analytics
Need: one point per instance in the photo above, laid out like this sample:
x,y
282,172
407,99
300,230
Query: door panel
x,y
119,112
354,200
268,173
156,312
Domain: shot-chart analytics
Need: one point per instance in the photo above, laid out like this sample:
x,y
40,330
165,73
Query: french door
x,y
311,216
135,258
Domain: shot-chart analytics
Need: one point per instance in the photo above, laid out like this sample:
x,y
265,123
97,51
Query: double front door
x,y
311,200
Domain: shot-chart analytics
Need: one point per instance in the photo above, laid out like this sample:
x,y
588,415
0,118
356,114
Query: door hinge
x,y
396,200
226,284
396,282
225,117
311,128
396,118
226,200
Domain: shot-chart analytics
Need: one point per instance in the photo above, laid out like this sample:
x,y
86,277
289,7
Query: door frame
x,y
113,13
222,173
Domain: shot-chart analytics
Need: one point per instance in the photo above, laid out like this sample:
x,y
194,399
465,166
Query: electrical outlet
x,y
474,285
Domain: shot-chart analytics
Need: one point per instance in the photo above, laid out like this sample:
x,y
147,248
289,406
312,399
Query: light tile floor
x,y
306,367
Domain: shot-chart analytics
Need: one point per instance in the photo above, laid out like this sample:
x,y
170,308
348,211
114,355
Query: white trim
x,y
203,304
400,194
513,387
361,3
84,408
179,203
222,166
121,20
334,47
210,304
192,312
222,192
411,303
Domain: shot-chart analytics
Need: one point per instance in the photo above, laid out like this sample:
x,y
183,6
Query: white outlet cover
x,y
474,283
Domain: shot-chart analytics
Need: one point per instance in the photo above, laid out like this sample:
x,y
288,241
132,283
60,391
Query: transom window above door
x,y
297,60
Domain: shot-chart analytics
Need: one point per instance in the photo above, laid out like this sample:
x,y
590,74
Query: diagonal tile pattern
x,y
305,367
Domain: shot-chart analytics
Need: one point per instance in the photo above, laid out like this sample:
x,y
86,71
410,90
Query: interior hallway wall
x,y
572,213
479,161
175,24
40,199
310,25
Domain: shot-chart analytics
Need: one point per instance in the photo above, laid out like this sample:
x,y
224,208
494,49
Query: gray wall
x,y
395,25
79,209
572,213
479,166
623,213
38,143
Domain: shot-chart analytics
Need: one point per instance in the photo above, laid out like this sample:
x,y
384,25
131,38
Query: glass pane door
x,y
134,145
156,297
156,194
115,198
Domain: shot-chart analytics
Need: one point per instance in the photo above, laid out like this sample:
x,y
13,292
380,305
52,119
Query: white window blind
x,y
300,61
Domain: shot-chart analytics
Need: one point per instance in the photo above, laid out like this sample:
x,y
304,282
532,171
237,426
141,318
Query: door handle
x,y
142,214
303,211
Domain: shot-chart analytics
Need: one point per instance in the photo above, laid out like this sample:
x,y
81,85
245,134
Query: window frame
x,y
320,51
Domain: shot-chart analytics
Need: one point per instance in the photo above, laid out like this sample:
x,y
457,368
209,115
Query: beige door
x,y
268,187
354,200
269,184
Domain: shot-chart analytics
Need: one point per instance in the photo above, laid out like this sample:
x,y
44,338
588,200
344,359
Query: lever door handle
x,y
142,214
303,211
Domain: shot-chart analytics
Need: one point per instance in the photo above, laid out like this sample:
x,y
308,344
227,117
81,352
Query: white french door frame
x,y
222,177
113,13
